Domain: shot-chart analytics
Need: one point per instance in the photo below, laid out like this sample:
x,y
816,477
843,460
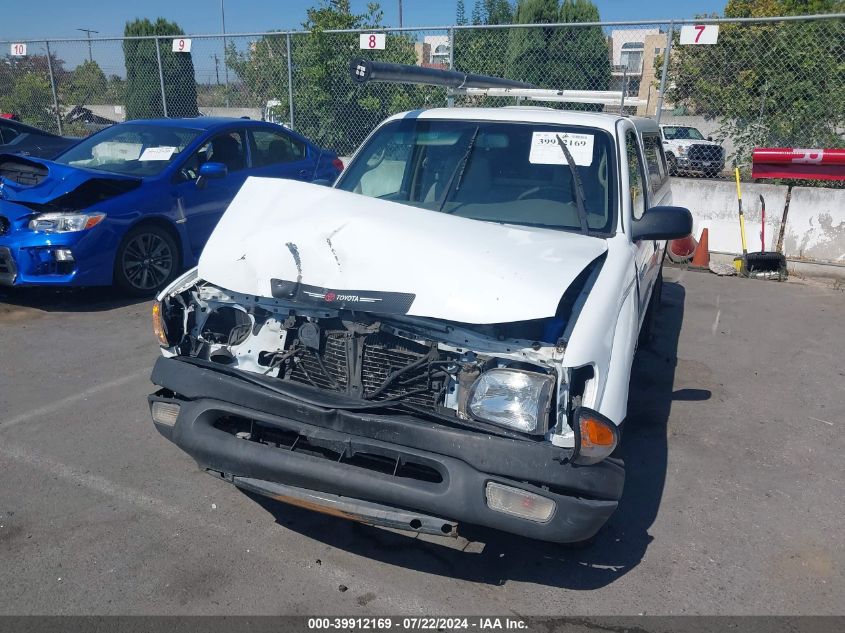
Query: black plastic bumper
x,y
585,496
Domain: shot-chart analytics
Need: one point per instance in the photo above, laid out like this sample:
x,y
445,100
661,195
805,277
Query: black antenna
x,y
366,70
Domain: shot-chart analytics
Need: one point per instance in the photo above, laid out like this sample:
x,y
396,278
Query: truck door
x,y
646,252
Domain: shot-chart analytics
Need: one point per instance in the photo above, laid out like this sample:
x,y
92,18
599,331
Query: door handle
x,y
303,173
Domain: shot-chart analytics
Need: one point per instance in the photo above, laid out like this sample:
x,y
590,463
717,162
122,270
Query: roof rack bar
x,y
366,70
607,97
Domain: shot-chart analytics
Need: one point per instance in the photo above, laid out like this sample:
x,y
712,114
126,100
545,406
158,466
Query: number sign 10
x,y
18,50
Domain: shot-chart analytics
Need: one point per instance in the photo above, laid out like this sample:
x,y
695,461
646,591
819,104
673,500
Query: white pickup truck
x,y
443,336
688,151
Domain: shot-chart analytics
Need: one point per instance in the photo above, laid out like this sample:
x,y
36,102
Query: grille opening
x,y
393,464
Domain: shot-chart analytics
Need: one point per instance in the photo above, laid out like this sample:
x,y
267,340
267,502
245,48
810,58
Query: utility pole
x,y
216,67
88,32
400,14
225,65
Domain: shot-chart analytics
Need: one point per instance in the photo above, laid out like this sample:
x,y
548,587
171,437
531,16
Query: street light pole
x,y
88,32
225,65
400,14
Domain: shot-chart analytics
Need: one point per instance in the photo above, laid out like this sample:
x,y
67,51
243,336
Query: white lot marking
x,y
82,395
715,325
104,486
819,420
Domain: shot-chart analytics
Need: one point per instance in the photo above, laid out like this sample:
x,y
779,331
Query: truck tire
x,y
672,162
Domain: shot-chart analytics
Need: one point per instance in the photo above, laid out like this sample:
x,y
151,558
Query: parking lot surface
x,y
732,503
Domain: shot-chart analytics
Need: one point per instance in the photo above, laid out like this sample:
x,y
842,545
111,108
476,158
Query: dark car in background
x,y
20,138
135,203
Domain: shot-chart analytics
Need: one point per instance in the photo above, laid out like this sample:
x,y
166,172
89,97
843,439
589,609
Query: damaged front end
x,y
400,416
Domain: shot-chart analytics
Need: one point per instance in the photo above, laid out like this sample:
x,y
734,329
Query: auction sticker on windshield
x,y
546,150
157,153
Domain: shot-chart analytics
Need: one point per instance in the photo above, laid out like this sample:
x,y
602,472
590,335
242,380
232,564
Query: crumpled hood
x,y
61,180
331,248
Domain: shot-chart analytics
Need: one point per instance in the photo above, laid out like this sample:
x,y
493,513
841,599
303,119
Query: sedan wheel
x,y
146,261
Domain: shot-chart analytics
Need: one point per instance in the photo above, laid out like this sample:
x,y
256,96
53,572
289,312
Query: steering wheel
x,y
533,190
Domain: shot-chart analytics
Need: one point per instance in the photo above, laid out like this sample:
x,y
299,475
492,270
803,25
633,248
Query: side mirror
x,y
710,138
209,171
662,223
213,170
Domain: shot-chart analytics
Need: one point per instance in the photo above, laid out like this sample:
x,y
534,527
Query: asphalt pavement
x,y
732,505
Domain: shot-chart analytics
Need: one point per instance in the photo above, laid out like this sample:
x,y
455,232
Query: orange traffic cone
x,y
701,259
680,251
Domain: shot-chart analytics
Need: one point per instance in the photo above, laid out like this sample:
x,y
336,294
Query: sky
x,y
61,18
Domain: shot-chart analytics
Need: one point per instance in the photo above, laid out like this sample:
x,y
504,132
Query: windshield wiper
x,y
458,175
576,182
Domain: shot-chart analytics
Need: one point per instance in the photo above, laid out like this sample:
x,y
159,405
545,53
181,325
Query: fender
x,y
606,331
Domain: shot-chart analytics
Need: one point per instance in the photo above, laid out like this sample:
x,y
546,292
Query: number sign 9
x,y
181,45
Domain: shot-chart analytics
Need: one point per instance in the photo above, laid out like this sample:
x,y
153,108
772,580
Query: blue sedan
x,y
136,202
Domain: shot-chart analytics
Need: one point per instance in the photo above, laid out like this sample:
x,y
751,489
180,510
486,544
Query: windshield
x,y
133,149
682,133
514,173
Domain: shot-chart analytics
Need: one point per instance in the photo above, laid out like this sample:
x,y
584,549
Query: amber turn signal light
x,y
596,437
158,326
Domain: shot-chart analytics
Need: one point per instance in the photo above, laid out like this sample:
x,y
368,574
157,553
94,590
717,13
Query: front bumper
x,y
700,165
30,259
440,470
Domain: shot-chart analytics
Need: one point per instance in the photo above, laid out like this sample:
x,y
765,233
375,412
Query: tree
x,y
460,13
32,99
563,57
26,88
143,91
768,84
333,111
87,84
480,50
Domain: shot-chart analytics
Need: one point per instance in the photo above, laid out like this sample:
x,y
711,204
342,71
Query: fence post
x,y
450,99
161,78
666,53
53,88
290,81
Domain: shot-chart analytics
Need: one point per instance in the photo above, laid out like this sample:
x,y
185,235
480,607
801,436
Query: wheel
x,y
146,261
673,164
650,313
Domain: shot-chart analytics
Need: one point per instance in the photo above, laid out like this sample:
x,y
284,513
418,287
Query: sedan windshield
x,y
513,173
682,133
129,149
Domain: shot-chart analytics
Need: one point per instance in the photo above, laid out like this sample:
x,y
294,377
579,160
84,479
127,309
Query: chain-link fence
x,y
720,87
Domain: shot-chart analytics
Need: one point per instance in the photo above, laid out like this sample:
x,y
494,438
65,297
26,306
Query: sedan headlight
x,y
65,222
517,399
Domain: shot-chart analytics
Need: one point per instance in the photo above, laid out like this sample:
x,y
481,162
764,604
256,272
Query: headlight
x,y
513,398
682,150
596,437
65,222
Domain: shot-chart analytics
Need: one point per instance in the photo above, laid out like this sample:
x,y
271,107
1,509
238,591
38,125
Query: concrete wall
x,y
815,227
713,205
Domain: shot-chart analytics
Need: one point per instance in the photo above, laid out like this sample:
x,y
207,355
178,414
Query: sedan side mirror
x,y
211,171
662,223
